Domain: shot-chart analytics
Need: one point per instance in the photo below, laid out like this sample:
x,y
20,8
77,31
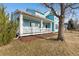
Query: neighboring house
x,y
32,22
65,26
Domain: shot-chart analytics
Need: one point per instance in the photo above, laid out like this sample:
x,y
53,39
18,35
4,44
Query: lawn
x,y
49,47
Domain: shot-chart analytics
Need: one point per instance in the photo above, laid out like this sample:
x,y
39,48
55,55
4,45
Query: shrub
x,y
7,28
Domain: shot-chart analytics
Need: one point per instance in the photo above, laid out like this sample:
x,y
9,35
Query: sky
x,y
11,7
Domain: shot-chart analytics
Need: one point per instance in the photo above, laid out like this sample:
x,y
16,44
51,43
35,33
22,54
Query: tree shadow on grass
x,y
55,40
52,39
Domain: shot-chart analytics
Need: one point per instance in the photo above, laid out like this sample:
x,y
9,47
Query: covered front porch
x,y
30,25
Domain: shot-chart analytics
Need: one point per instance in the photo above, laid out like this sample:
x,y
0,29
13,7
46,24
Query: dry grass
x,y
44,47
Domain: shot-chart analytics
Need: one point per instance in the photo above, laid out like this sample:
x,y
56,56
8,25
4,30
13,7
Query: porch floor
x,y
38,36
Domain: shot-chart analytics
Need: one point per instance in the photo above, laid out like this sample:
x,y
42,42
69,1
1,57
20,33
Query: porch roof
x,y
34,16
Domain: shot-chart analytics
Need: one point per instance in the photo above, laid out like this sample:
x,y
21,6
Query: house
x,y
32,22
65,26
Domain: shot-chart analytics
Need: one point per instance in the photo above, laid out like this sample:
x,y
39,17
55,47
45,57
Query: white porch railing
x,y
31,30
45,30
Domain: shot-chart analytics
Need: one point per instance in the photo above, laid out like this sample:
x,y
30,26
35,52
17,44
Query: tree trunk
x,y
61,29
61,23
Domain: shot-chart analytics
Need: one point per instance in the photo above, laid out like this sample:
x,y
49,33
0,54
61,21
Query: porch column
x,y
51,26
21,24
41,25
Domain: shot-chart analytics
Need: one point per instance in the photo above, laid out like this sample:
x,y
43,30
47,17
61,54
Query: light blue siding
x,y
53,26
26,22
36,23
55,22
50,16
46,25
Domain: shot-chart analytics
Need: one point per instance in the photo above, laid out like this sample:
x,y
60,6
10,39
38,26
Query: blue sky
x,y
11,7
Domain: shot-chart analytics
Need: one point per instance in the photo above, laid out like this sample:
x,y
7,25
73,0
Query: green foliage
x,y
7,28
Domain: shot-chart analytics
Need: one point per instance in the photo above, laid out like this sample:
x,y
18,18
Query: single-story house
x,y
32,22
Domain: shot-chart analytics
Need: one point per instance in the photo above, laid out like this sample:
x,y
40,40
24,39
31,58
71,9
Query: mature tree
x,y
61,10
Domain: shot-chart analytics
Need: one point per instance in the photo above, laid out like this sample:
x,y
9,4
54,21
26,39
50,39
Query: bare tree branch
x,y
74,7
63,8
53,11
69,5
